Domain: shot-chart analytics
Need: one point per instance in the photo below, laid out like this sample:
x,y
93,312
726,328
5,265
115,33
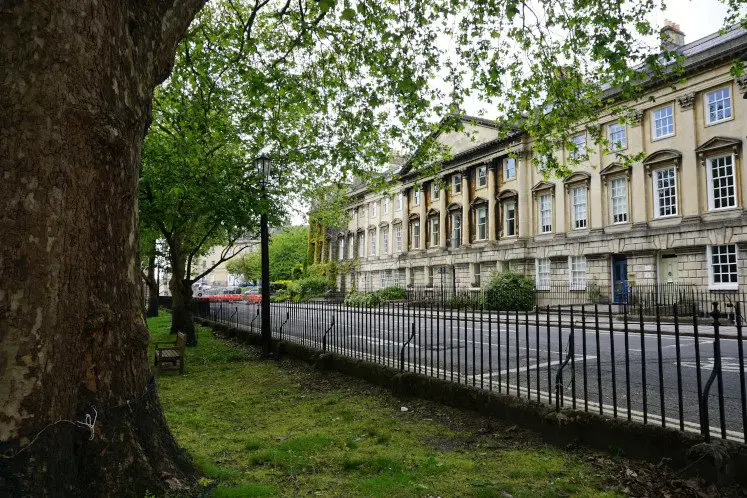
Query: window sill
x,y
618,227
665,221
663,137
720,121
723,287
578,232
723,213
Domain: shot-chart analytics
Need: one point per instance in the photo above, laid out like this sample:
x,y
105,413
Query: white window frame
x,y
579,139
509,172
361,245
341,248
542,227
509,206
712,284
481,228
615,128
654,119
577,272
710,186
385,206
435,191
416,194
416,235
351,248
372,242
542,274
657,207
580,210
400,201
374,209
624,200
385,241
456,184
398,237
728,108
435,231
482,176
456,230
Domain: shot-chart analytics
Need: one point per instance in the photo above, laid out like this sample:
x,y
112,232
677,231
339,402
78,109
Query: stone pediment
x,y
414,216
543,185
614,169
507,194
372,227
383,224
454,206
577,177
396,221
724,144
433,212
478,200
663,157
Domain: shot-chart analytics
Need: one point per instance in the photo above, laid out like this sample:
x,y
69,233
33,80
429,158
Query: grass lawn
x,y
259,428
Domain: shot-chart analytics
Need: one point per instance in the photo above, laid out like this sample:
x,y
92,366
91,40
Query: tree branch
x,y
222,259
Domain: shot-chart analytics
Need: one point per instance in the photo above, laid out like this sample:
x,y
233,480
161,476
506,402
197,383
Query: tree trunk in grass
x,y
76,81
150,280
181,306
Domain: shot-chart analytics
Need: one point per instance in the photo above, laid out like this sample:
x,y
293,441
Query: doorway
x,y
620,279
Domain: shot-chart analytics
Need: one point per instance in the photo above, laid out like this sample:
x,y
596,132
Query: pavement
x,y
650,374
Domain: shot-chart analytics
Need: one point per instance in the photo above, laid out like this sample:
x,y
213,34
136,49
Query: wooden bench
x,y
170,352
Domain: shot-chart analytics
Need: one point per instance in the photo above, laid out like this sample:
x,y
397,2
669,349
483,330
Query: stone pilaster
x,y
491,202
465,207
442,219
685,127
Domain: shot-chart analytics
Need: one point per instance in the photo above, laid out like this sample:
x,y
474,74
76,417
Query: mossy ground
x,y
260,427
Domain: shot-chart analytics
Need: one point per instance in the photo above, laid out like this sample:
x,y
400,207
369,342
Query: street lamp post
x,y
263,163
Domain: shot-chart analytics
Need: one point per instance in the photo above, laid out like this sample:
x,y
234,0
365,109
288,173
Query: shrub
x,y
391,293
464,301
280,296
375,298
510,291
308,287
363,299
280,284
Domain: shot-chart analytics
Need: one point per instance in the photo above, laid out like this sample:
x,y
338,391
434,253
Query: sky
x,y
697,18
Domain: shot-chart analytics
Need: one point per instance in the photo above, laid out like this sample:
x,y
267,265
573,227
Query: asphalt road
x,y
630,375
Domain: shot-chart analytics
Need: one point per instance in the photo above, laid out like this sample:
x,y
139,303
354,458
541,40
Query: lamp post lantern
x,y
263,164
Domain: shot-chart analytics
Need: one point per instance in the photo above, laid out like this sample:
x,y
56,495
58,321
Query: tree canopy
x,y
287,253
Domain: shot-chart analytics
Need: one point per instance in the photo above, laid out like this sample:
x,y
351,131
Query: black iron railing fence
x,y
618,362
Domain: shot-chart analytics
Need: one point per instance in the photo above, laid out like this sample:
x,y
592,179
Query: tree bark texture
x,y
76,82
182,319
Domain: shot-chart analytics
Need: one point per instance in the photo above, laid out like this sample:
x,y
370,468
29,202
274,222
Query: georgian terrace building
x,y
676,217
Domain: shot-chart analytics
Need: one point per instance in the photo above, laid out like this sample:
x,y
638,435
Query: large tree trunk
x,y
76,81
150,281
181,308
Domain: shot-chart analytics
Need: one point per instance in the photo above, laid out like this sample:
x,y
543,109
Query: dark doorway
x,y
620,279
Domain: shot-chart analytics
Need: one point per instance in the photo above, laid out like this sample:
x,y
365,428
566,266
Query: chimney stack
x,y
672,37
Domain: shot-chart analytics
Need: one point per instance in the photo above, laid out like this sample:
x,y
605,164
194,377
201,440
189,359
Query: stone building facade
x,y
678,216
